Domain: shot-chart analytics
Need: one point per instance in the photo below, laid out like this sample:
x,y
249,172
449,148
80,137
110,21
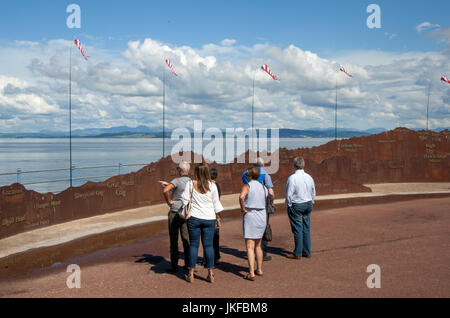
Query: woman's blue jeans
x,y
205,229
299,216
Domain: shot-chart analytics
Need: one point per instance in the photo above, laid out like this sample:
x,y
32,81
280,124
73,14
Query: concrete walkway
x,y
70,231
408,240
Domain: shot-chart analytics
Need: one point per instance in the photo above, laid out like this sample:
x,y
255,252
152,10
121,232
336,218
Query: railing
x,y
19,173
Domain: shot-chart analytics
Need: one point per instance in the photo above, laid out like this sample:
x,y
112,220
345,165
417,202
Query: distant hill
x,y
147,132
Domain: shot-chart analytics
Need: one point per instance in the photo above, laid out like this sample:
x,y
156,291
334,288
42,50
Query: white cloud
x,y
26,43
442,35
215,85
390,36
17,97
425,26
228,42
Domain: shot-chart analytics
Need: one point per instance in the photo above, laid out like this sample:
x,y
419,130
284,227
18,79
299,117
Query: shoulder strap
x,y
191,184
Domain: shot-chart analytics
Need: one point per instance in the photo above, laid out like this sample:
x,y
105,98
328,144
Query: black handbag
x,y
270,206
267,237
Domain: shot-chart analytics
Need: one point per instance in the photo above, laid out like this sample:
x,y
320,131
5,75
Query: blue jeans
x,y
205,229
299,216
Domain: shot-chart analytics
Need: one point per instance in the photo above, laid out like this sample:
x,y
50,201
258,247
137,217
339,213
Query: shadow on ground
x,y
242,254
160,264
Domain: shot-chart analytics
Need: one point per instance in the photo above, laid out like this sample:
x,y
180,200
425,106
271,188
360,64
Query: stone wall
x,y
400,155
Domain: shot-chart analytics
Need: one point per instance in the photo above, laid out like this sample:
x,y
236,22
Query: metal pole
x,y
335,115
70,112
164,113
253,101
253,112
428,103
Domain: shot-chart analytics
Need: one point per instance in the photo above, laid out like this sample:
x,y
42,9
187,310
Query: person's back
x,y
265,179
254,220
205,205
256,197
262,175
300,195
179,186
300,188
172,193
204,209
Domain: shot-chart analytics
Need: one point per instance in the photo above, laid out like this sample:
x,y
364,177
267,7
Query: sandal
x,y
259,274
211,278
250,278
190,278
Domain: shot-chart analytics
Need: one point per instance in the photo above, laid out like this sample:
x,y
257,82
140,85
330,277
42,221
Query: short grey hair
x,y
259,162
184,166
299,163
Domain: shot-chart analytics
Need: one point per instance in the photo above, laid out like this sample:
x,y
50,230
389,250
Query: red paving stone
x,y
409,240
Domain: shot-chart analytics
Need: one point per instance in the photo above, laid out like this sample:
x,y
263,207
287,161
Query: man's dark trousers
x,y
265,244
178,225
299,216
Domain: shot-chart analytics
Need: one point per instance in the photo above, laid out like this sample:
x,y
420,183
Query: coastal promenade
x,y
404,228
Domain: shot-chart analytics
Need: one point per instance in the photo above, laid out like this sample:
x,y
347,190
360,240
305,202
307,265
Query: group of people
x,y
256,197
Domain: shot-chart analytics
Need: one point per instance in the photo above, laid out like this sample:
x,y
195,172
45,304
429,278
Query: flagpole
x,y
70,113
253,108
253,100
428,103
335,115
164,113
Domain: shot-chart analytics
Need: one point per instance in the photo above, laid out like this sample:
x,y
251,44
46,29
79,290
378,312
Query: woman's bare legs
x,y
251,256
259,257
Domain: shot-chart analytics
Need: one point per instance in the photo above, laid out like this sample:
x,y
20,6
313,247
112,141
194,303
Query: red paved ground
x,y
409,240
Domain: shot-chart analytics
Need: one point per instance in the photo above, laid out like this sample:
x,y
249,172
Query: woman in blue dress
x,y
254,220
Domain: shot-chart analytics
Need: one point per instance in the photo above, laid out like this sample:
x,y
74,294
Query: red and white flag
x,y
80,47
171,67
266,69
445,79
342,69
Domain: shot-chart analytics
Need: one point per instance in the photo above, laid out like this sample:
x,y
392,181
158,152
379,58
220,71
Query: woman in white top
x,y
205,209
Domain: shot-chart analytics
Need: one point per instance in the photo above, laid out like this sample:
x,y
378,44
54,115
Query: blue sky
x,y
321,26
301,38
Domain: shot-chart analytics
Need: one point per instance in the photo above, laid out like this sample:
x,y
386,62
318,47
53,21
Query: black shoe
x,y
306,255
267,258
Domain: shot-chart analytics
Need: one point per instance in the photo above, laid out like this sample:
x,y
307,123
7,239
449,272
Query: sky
x,y
217,48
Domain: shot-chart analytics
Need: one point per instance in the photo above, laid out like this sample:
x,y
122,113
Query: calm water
x,y
43,154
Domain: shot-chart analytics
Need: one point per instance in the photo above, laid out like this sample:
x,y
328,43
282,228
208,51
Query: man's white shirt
x,y
300,188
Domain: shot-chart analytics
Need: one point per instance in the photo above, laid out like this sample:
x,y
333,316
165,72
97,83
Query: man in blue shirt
x,y
265,179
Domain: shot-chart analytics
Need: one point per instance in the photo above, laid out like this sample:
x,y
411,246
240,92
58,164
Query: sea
x,y
43,164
